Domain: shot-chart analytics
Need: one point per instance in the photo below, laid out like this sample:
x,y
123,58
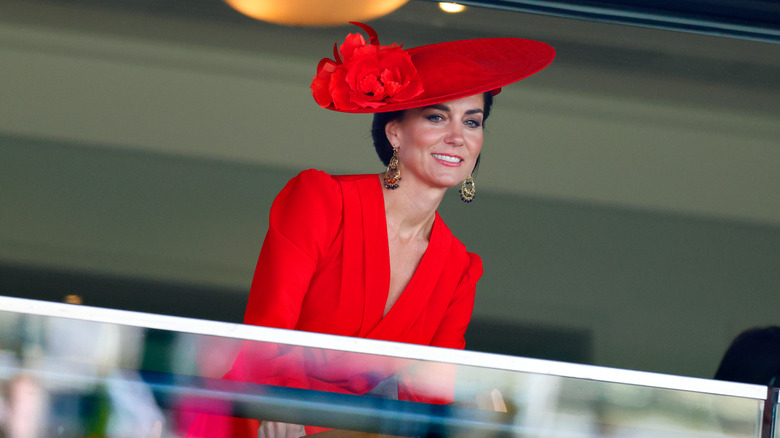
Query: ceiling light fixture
x,y
452,8
315,12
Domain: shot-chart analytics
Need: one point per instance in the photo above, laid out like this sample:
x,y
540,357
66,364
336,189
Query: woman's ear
x,y
391,131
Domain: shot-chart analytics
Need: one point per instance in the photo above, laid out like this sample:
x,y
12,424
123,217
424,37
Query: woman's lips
x,y
450,160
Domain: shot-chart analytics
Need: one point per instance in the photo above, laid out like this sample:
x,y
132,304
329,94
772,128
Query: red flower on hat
x,y
365,75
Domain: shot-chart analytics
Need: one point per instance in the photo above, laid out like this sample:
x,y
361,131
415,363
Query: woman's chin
x,y
442,181
452,182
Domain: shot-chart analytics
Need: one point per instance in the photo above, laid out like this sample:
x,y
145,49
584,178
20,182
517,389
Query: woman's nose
x,y
455,135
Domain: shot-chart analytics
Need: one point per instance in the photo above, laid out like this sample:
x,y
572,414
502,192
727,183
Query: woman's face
x,y
438,145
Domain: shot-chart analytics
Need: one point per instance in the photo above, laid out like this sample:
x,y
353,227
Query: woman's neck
x,y
411,210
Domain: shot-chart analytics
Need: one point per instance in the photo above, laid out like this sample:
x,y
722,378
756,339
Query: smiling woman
x,y
442,121
385,150
368,255
440,142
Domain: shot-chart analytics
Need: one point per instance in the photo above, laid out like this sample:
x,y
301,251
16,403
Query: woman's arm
x,y
304,220
452,330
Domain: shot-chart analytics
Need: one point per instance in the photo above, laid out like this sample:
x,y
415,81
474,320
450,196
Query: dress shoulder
x,y
309,190
314,180
470,262
308,210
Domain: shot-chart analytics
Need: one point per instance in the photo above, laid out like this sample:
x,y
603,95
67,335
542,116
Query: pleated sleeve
x,y
304,220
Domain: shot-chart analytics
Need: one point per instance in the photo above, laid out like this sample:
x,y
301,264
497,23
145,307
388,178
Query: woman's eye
x,y
473,123
435,118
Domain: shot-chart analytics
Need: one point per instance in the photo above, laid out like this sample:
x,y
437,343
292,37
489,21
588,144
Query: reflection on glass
x,y
68,377
73,378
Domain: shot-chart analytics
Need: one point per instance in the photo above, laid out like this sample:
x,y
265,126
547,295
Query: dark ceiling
x,y
747,19
750,19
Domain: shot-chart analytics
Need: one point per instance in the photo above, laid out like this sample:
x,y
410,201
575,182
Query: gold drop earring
x,y
468,190
392,174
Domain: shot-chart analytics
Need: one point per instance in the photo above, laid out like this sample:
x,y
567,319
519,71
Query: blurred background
x,y
627,202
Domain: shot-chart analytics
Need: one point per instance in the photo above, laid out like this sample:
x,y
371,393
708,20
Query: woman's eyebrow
x,y
443,107
439,106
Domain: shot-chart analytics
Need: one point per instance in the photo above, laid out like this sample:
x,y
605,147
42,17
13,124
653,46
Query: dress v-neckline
x,y
385,251
366,245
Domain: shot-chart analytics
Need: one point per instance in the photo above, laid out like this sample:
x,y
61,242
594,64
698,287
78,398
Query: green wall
x,y
579,282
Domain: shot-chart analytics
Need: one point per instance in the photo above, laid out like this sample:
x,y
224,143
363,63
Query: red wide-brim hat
x,y
366,77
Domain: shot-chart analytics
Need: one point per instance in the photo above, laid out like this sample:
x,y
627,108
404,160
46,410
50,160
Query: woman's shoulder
x,y
310,192
369,178
322,190
307,212
314,177
311,183
341,186
457,249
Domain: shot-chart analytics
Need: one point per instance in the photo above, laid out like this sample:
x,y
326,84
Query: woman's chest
x,y
346,297
404,259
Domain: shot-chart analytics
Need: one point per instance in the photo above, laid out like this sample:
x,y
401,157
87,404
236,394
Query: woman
x,y
368,255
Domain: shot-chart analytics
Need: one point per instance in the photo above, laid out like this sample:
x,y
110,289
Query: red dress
x,y
324,267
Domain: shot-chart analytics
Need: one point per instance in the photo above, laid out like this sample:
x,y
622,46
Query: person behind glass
x,y
753,357
368,255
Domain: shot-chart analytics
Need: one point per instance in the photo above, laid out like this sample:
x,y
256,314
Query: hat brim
x,y
456,69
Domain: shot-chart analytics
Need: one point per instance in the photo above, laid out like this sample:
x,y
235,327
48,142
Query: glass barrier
x,y
76,371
